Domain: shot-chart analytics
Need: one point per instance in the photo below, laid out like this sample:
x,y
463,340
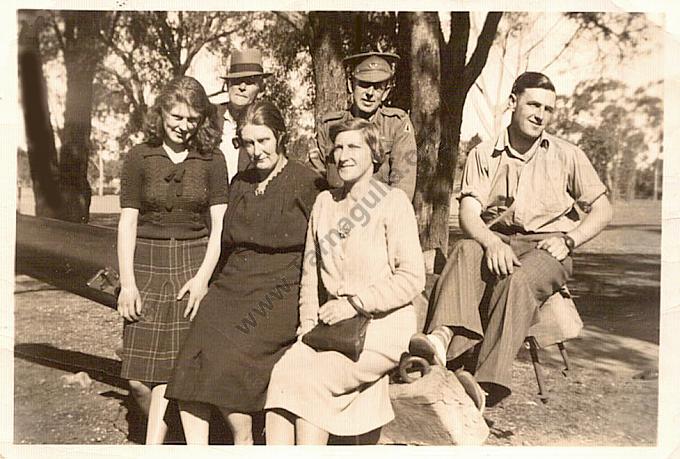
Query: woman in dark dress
x,y
250,314
165,247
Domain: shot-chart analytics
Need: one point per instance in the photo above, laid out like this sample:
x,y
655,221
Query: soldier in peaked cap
x,y
369,83
245,82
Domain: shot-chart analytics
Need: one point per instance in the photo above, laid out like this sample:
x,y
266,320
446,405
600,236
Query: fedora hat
x,y
245,63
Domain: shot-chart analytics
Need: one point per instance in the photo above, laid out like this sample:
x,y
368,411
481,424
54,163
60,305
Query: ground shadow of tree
x,y
107,371
619,293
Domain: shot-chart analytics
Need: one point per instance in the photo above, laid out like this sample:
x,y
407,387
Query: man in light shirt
x,y
245,83
518,213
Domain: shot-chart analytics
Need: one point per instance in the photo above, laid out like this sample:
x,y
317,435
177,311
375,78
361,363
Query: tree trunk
x,y
326,51
80,59
358,24
452,93
42,153
425,114
401,94
457,78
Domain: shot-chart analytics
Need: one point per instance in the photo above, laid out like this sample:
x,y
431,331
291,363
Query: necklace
x,y
262,186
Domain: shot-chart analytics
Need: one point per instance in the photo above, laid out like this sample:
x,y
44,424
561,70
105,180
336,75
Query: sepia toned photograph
x,y
343,228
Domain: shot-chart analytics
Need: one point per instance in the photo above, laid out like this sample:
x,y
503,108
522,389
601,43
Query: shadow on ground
x,y
620,294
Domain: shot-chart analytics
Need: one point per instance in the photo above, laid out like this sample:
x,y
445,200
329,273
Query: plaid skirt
x,y
151,344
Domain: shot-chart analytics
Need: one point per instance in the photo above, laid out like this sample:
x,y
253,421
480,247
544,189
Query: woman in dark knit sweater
x,y
167,251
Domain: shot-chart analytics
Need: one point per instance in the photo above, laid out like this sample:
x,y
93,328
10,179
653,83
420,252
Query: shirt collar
x,y
228,118
503,144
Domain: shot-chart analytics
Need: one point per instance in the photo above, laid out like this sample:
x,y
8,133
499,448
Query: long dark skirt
x,y
244,325
151,344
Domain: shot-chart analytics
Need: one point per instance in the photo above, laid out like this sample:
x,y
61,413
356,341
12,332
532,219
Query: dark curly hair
x,y
530,80
184,90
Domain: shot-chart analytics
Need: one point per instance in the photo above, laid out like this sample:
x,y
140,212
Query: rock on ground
x,y
434,410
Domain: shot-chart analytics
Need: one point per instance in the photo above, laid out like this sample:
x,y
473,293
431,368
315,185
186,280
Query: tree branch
x,y
124,56
297,19
57,32
167,41
125,84
481,53
542,39
112,28
564,48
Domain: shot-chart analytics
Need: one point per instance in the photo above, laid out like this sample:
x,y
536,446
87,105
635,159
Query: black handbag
x,y
346,337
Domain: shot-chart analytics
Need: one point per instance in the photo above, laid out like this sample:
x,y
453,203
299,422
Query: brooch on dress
x,y
344,228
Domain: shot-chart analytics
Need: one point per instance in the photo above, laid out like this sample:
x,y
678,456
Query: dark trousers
x,y
480,306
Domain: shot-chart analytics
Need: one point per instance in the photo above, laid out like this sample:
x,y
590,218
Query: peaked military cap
x,y
371,67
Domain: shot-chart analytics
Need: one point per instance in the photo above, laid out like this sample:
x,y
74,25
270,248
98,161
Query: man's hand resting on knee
x,y
500,258
555,246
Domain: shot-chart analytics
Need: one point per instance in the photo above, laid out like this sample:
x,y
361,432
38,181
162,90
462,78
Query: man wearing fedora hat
x,y
370,83
244,82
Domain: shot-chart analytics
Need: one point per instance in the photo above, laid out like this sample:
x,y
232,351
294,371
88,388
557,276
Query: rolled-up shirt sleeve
x,y
475,180
584,185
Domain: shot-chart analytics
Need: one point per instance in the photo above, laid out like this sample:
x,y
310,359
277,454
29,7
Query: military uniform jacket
x,y
397,139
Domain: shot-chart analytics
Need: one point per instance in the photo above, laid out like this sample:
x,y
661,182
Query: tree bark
x,y
424,63
80,59
456,79
326,51
42,152
401,94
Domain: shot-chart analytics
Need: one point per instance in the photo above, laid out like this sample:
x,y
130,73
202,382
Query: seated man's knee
x,y
540,281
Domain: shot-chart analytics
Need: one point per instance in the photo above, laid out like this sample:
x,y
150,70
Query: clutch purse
x,y
346,337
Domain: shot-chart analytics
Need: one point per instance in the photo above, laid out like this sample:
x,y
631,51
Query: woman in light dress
x,y
362,254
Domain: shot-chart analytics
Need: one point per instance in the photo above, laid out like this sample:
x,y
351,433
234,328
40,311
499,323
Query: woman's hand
x,y
334,311
129,303
197,288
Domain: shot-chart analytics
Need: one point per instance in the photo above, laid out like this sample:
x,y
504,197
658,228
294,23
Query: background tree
x,y
421,53
458,74
615,127
147,49
41,150
73,37
76,34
